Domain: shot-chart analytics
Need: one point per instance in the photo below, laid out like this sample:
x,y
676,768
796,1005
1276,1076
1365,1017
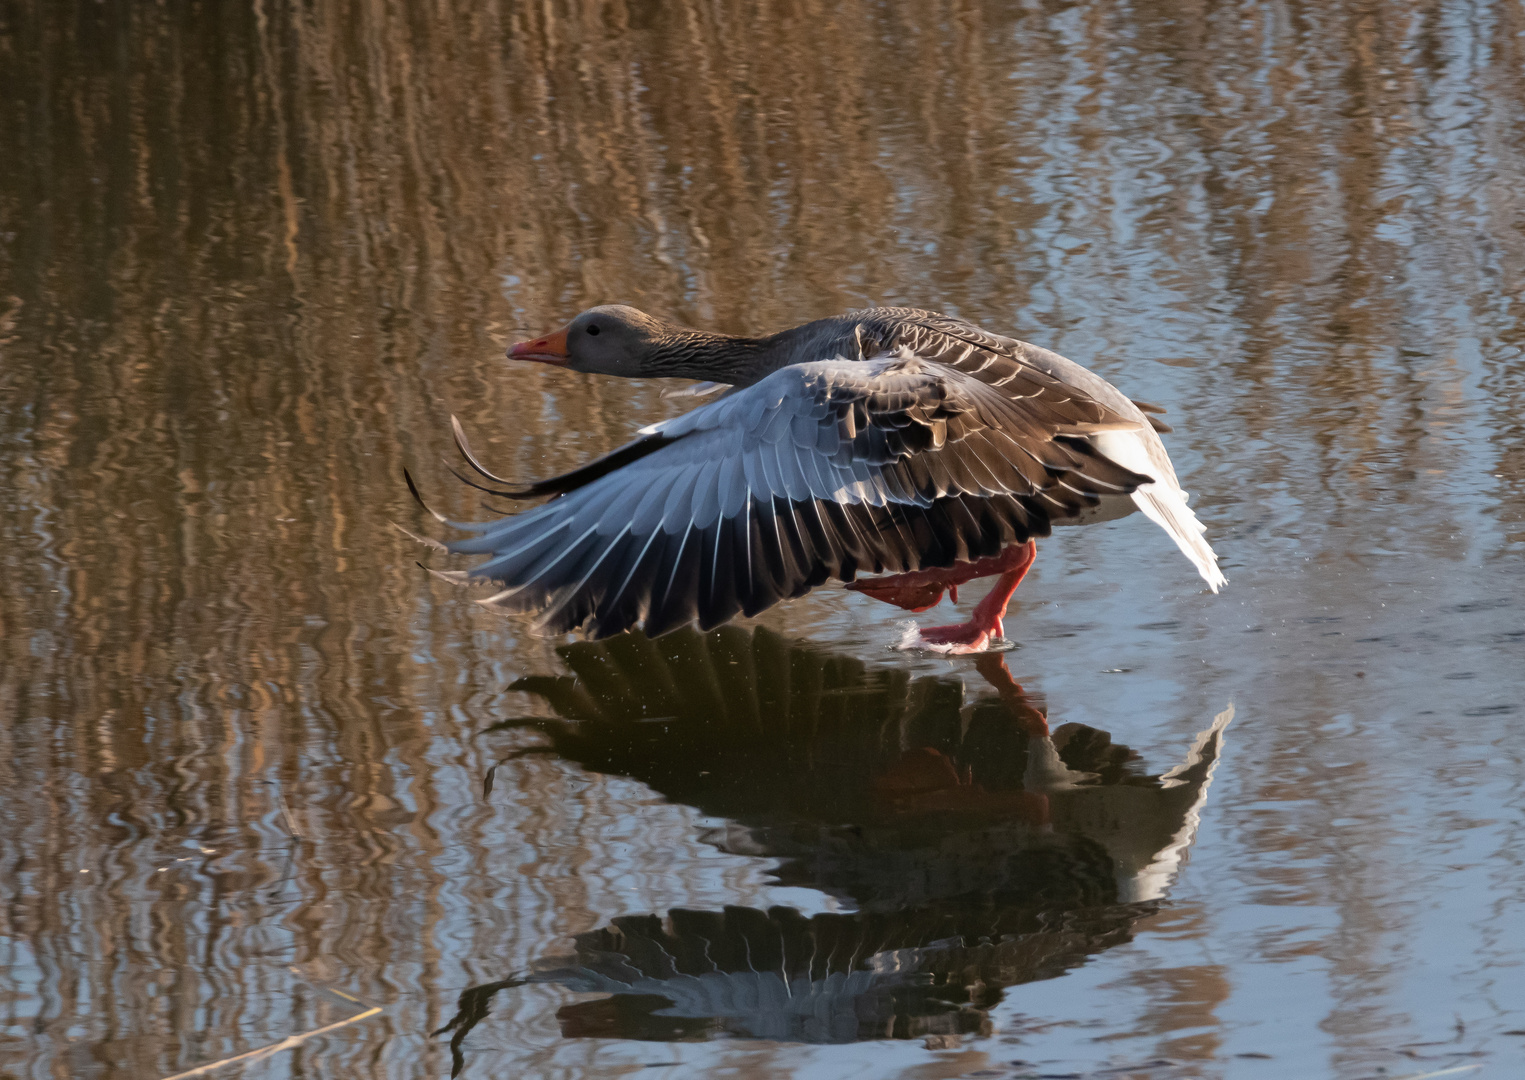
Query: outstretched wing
x,y
819,471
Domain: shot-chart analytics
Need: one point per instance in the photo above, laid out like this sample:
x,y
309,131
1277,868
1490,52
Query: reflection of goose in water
x,y
979,849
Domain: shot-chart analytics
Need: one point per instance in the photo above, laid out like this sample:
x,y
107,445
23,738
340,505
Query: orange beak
x,y
551,349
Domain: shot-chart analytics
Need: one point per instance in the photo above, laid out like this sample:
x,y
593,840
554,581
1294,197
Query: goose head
x,y
612,339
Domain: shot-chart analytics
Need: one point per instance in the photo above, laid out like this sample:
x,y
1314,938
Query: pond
x,y
264,775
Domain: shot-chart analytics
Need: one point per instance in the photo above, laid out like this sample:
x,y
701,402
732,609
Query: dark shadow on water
x,y
979,848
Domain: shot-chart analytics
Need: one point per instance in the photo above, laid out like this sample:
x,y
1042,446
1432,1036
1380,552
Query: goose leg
x,y
921,589
984,626
915,591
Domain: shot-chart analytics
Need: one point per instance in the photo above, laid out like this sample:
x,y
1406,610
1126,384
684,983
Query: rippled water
x,y
255,760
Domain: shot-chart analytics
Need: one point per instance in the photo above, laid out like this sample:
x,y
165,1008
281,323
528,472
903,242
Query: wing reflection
x,y
979,848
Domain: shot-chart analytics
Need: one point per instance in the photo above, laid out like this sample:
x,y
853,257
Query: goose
x,y
888,441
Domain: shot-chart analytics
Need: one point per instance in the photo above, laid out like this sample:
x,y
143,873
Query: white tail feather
x,y
1167,508
1163,502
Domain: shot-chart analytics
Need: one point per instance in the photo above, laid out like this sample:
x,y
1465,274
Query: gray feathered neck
x,y
741,361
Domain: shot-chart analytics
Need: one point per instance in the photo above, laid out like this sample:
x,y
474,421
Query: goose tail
x,y
1166,507
1163,502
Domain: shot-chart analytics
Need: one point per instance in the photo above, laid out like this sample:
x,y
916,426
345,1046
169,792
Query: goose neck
x,y
697,354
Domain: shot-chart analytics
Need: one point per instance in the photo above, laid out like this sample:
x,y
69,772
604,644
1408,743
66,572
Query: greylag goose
x,y
889,440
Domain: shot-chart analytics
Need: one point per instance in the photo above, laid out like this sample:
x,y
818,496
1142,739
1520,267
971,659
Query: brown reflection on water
x,y
254,255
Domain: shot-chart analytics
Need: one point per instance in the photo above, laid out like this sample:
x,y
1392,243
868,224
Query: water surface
x,y
254,257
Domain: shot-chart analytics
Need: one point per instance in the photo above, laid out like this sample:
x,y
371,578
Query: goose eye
x,y
593,330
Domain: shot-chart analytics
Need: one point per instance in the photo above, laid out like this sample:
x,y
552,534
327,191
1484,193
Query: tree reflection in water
x,y
978,848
